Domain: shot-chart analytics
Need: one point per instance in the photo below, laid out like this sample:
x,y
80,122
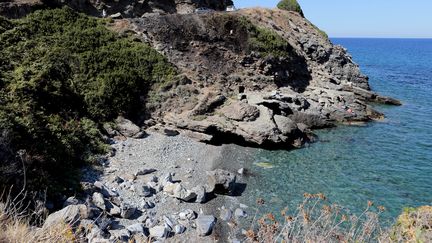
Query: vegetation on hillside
x,y
290,5
266,42
62,74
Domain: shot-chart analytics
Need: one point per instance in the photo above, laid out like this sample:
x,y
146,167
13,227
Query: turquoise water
x,y
388,162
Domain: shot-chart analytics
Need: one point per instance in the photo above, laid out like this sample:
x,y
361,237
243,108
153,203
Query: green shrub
x,y
290,5
63,74
265,41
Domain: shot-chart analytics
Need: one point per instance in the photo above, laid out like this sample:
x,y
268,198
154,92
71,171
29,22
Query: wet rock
x,y
205,224
222,178
71,215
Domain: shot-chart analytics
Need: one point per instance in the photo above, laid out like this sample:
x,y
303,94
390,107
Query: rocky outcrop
x,y
239,94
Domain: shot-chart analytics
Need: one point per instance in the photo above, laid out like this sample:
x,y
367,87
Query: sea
x,y
387,162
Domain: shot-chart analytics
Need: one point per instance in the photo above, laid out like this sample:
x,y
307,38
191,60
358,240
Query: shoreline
x,y
187,161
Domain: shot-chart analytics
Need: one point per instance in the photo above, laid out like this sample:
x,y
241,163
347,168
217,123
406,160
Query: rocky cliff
x,y
257,76
123,8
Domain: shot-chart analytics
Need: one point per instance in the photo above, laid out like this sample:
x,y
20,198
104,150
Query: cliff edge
x,y
257,76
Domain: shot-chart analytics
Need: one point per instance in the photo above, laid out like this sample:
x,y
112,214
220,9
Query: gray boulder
x,y
128,128
99,200
205,224
70,215
178,191
223,178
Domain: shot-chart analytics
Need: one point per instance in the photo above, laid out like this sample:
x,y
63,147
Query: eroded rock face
x,y
242,96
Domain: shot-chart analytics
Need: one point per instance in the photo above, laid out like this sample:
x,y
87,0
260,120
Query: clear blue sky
x,y
364,18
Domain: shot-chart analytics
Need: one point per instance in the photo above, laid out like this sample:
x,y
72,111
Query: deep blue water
x,y
388,162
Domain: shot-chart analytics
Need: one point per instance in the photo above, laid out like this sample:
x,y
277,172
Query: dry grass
x,y
316,220
15,225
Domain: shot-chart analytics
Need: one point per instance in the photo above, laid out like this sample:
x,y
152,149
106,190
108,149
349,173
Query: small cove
x,y
387,162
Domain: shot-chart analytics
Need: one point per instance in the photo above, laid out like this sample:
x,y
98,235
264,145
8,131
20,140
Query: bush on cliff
x,y
264,41
290,5
61,75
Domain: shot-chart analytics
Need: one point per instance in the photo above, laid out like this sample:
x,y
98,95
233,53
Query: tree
x,y
290,5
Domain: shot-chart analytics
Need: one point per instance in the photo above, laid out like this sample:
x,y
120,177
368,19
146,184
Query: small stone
x,y
145,191
179,229
205,224
118,180
167,178
159,232
99,200
243,205
148,205
127,211
200,191
142,218
240,213
144,172
121,235
151,222
188,214
136,228
226,214
168,221
71,201
241,171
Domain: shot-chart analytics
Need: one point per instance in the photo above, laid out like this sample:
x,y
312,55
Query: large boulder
x,y
69,215
128,128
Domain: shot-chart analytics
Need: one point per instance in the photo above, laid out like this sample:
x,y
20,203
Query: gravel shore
x,y
187,161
